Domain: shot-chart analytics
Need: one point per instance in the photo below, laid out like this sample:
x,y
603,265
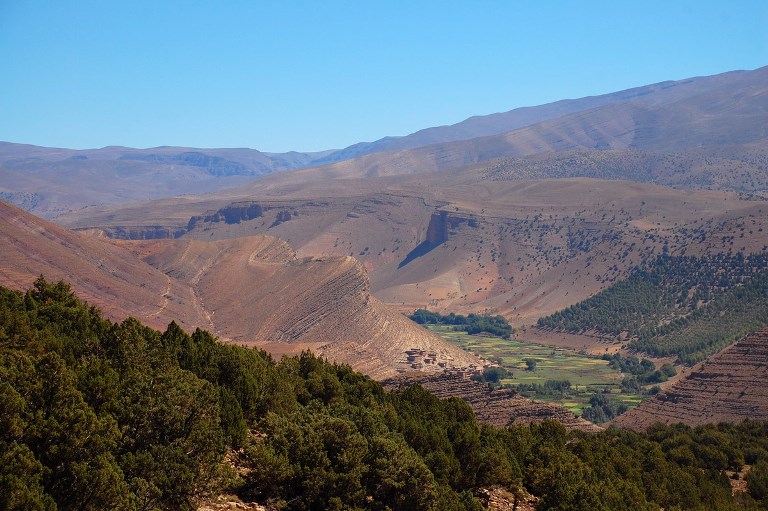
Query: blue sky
x,y
311,75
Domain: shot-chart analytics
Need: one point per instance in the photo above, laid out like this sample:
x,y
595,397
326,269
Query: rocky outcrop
x,y
437,230
442,223
282,216
233,214
496,407
142,232
730,387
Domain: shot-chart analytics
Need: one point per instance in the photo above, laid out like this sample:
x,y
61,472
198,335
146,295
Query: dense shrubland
x,y
100,415
472,323
639,370
691,307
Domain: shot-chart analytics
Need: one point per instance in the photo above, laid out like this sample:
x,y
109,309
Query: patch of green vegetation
x,y
640,371
584,374
98,415
492,375
472,324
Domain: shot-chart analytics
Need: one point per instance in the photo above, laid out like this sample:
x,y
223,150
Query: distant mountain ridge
x,y
51,181
498,123
718,111
726,109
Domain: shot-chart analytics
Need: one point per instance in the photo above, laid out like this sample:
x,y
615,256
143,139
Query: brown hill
x,y
458,242
500,408
729,387
254,291
99,271
250,290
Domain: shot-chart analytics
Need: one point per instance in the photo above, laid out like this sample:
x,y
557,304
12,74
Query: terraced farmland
x,y
585,373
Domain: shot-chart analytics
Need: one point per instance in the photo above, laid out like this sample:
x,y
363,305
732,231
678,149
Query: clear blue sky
x,y
289,75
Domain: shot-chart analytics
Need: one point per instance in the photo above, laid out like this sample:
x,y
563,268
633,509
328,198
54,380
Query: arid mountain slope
x,y
729,387
522,248
249,290
254,291
99,271
486,125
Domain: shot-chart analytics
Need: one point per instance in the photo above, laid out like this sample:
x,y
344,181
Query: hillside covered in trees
x,y
691,307
98,415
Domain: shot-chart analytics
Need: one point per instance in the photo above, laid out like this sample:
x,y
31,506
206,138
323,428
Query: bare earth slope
x,y
250,290
730,387
99,271
255,291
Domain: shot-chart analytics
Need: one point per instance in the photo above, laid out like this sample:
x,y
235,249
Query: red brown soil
x,y
496,407
729,387
250,291
99,272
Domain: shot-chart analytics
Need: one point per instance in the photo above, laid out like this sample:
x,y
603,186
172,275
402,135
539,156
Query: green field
x,y
586,374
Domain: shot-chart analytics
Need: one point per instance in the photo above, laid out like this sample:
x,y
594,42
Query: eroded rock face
x,y
144,232
233,214
730,387
496,407
254,290
442,223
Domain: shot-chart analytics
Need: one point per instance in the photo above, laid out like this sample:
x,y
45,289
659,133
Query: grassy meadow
x,y
587,374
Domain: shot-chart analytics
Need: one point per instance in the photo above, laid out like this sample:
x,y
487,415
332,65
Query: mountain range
x,y
522,213
718,111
